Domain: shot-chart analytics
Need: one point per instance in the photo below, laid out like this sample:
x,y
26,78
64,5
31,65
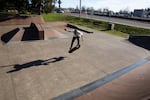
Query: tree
x,y
124,11
46,5
77,9
14,4
27,5
2,4
83,9
59,3
105,10
21,5
100,10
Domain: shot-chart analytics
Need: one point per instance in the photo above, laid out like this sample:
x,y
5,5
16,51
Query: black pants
x,y
73,40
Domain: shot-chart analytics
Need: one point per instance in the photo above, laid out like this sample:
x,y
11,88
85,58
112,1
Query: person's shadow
x,y
18,67
74,49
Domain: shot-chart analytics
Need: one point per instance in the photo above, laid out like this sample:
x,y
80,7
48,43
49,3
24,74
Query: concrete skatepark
x,y
44,70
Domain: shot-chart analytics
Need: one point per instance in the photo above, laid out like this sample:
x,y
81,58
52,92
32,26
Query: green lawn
x,y
120,30
54,17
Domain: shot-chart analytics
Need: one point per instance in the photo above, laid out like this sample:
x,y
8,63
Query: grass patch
x,y
54,17
120,30
132,30
117,33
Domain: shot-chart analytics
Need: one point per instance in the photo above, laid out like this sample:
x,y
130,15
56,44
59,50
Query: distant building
x,y
139,13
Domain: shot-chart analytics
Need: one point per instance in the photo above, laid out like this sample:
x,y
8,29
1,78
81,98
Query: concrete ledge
x,y
38,29
142,41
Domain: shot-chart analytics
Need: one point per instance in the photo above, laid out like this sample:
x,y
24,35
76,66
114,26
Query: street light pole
x,y
80,9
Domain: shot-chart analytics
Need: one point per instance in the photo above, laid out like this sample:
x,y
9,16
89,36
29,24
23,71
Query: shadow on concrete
x,y
18,67
142,41
29,34
7,36
73,49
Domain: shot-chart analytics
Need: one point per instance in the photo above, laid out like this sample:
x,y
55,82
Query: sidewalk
x,y
43,70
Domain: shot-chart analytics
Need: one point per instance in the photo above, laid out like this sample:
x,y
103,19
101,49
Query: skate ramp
x,y
21,20
22,34
142,41
35,32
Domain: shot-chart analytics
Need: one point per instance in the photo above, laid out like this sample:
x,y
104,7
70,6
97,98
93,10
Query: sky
x,y
114,5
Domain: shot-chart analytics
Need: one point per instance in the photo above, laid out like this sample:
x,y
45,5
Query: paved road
x,y
118,20
42,70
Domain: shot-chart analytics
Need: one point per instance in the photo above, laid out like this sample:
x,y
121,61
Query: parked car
x,y
59,11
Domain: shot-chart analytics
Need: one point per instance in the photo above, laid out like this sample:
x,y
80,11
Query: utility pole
x,y
80,9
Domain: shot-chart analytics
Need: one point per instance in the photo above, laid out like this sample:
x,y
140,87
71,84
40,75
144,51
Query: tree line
x,y
23,6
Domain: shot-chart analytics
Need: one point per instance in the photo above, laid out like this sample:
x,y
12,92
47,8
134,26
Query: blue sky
x,y
115,5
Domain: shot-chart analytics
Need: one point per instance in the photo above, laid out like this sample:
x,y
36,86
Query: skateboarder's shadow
x,y
18,67
74,49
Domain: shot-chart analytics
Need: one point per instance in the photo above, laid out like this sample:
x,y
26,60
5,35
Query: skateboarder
x,y
77,35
